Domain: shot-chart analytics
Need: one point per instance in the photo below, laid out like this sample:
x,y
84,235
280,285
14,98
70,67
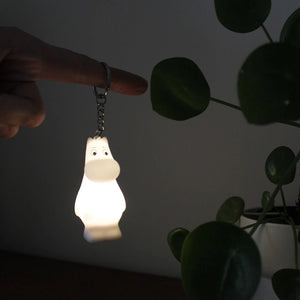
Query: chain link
x,y
101,100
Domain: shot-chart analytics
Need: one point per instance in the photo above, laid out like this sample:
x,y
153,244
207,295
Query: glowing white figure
x,y
100,202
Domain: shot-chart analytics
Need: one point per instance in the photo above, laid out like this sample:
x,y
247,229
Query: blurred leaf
x,y
265,201
286,284
269,84
231,210
176,238
242,15
179,90
220,261
290,32
278,162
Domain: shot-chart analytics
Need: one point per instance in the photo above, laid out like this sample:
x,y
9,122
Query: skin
x,y
25,59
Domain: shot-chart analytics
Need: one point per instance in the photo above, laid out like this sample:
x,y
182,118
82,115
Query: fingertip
x,y
127,83
144,86
8,131
141,87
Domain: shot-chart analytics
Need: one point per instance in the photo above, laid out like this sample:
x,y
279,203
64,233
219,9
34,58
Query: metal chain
x,y
101,100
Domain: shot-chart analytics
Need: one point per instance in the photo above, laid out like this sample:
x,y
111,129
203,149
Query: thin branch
x,y
225,103
291,123
263,222
259,213
267,33
275,192
293,225
283,201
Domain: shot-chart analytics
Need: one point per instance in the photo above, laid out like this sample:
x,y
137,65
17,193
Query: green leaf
x,y
269,85
290,32
220,261
231,210
265,201
176,238
286,284
278,162
242,15
179,90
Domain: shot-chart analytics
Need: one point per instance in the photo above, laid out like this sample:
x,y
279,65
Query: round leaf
x,y
220,261
265,201
179,90
231,210
268,84
286,284
290,32
242,15
176,238
278,162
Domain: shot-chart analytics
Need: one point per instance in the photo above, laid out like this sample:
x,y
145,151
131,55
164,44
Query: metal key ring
x,y
108,79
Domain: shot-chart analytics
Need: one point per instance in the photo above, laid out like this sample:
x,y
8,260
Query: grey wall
x,y
172,173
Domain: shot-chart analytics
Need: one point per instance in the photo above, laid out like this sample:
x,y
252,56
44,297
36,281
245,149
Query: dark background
x,y
172,173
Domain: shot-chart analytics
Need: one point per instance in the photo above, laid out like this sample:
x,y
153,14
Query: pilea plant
x,y
220,260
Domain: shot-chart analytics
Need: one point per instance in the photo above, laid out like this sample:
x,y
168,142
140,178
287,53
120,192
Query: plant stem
x,y
259,213
225,103
267,33
291,123
275,192
263,221
293,225
283,201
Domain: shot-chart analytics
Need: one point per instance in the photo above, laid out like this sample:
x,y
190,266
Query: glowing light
x,y
100,202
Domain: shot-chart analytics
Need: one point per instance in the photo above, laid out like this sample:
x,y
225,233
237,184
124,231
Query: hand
x,y
25,59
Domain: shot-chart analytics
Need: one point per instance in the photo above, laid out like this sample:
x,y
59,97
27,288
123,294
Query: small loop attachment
x,y
108,80
101,100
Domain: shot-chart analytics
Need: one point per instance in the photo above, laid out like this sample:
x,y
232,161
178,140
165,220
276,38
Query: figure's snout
x,y
100,165
102,170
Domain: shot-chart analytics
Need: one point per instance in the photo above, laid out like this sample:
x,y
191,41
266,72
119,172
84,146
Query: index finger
x,y
64,65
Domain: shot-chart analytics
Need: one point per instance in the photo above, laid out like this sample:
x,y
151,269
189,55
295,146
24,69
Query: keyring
x,y
101,100
108,79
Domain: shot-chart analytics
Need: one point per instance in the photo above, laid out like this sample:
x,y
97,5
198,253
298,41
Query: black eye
x,y
106,153
94,153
